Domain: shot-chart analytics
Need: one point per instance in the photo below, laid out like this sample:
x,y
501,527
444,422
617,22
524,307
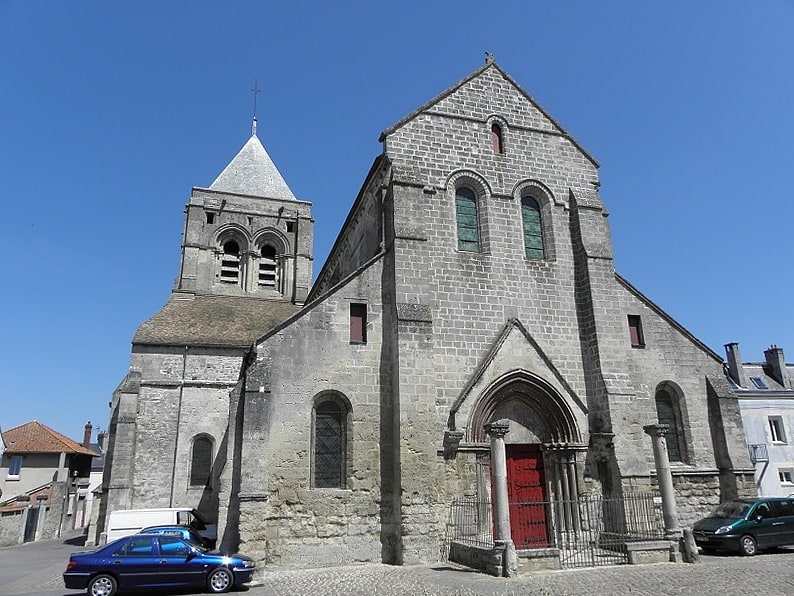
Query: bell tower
x,y
246,234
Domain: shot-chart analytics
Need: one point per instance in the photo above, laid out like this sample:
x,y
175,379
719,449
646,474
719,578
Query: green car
x,y
747,526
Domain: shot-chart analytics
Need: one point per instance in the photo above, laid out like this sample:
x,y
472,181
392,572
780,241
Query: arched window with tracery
x,y
467,219
230,262
201,461
533,228
330,459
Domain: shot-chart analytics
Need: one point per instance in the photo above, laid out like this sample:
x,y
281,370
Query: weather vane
x,y
255,90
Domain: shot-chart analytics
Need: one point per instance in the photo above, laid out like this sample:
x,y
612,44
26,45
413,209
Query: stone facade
x,y
546,336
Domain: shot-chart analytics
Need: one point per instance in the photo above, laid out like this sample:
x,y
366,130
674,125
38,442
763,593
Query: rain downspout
x,y
178,424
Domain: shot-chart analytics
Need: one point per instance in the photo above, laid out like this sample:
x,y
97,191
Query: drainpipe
x,y
178,424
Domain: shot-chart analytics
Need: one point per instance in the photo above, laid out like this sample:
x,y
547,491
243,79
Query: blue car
x,y
184,532
144,561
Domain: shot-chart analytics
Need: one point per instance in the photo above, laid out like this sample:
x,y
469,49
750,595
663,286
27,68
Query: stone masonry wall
x,y
284,520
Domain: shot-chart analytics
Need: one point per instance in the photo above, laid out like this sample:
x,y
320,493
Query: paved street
x,y
35,569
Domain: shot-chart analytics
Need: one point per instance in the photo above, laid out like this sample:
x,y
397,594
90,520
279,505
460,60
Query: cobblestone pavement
x,y
767,574
770,574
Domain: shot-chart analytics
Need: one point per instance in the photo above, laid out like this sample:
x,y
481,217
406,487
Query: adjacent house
x,y
766,400
470,300
42,476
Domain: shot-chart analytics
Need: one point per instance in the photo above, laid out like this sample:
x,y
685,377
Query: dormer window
x,y
230,263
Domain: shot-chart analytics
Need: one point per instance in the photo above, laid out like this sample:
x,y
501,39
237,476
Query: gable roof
x,y
252,172
202,320
34,437
488,65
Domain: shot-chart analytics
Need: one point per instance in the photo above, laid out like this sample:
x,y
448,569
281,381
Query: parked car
x,y
145,561
747,526
183,532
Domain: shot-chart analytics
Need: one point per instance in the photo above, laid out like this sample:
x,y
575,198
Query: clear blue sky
x,y
110,112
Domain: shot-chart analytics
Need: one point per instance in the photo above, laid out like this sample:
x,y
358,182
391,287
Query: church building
x,y
337,421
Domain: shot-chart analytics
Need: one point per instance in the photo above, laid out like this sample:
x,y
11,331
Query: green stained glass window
x,y
533,228
468,228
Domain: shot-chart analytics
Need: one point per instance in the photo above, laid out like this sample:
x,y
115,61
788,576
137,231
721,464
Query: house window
x,y
15,467
759,383
786,475
468,225
201,462
268,268
330,449
533,228
497,141
358,323
668,413
230,262
210,218
635,332
776,430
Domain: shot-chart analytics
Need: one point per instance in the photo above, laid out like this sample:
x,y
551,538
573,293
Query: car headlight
x,y
723,530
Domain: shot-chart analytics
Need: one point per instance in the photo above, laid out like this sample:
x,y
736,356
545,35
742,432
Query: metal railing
x,y
592,525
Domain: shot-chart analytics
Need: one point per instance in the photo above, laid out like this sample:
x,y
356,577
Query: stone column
x,y
501,510
665,477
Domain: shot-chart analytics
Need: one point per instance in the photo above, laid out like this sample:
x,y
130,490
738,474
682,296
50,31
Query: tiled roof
x,y
213,321
34,437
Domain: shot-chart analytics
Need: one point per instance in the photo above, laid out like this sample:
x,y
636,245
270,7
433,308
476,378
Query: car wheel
x,y
102,585
748,546
220,580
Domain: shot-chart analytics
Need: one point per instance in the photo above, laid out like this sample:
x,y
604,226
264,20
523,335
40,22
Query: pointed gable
x,y
253,173
505,97
34,437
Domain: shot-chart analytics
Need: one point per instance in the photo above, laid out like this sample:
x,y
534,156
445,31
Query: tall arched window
x,y
668,413
330,444
268,268
497,141
467,218
201,461
230,262
533,228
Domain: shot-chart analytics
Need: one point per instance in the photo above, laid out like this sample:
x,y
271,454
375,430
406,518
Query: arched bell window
x,y
230,262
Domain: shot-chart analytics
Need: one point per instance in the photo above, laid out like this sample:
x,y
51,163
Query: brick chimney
x,y
735,368
87,434
776,366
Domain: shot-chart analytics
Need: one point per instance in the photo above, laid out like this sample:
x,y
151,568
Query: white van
x,y
124,522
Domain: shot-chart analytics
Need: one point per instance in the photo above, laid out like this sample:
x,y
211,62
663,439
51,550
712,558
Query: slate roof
x,y
252,172
213,321
34,437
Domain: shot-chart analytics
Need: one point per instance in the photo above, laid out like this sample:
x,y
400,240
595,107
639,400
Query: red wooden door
x,y
526,493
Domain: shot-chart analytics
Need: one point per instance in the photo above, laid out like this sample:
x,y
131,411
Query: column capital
x,y
656,430
498,428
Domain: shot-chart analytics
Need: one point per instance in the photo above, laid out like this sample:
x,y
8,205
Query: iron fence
x,y
590,530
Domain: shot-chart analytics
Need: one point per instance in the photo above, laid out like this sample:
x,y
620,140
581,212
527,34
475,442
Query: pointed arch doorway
x,y
539,450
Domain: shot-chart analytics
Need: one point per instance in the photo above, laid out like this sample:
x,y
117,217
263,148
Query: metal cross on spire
x,y
255,90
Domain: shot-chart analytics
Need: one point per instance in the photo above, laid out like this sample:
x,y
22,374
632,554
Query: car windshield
x,y
732,509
